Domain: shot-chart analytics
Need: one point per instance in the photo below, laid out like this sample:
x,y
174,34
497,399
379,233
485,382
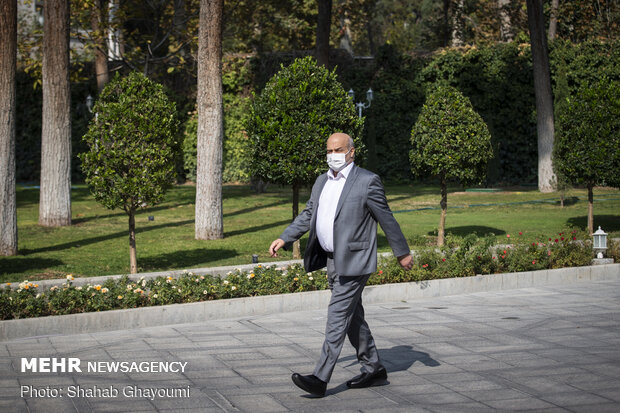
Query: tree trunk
x,y
180,17
345,32
99,26
116,47
456,38
209,219
446,23
322,32
444,212
369,12
590,209
544,96
553,19
55,195
296,244
371,40
505,25
133,259
8,59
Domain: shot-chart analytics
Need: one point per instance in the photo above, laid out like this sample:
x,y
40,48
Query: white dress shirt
x,y
328,202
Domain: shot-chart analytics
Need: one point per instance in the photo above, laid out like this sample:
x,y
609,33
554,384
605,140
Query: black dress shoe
x,y
367,379
311,384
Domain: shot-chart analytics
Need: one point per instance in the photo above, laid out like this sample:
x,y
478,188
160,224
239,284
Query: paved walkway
x,y
537,349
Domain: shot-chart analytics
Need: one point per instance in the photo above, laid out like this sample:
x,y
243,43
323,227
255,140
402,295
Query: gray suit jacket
x,y
361,205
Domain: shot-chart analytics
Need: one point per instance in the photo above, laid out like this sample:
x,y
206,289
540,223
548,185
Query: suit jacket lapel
x,y
347,187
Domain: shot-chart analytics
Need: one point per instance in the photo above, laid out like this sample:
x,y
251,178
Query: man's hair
x,y
351,143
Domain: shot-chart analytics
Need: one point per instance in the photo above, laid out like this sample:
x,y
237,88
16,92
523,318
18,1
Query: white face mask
x,y
337,161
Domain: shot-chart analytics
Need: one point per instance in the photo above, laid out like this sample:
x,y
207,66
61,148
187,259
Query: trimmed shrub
x,y
132,147
451,142
291,119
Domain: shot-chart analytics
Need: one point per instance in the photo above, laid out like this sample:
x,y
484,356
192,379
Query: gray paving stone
x,y
598,408
473,385
472,407
574,398
197,403
122,406
397,409
522,404
494,394
438,398
460,353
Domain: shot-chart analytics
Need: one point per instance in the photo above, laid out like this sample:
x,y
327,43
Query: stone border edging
x,y
271,304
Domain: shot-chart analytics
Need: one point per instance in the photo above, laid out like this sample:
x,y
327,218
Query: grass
x,y
97,242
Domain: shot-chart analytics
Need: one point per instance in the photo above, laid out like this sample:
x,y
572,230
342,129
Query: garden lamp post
x,y
361,105
599,242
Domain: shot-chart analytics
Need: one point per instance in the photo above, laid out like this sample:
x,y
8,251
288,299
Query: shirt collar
x,y
345,172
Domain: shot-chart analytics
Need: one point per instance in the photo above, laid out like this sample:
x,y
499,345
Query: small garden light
x,y
255,259
600,242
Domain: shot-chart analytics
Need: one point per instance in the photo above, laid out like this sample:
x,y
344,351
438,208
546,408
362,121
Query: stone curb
x,y
273,304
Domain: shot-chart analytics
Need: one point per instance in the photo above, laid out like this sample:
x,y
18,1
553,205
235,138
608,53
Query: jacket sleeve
x,y
378,206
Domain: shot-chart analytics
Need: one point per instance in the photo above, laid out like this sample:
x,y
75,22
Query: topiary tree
x,y
587,147
132,147
290,121
451,142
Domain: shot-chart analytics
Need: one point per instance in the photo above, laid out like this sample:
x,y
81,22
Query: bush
x,y
587,146
471,256
451,142
132,147
236,82
237,150
498,81
291,119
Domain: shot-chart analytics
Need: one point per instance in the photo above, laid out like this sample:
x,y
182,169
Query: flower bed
x,y
461,257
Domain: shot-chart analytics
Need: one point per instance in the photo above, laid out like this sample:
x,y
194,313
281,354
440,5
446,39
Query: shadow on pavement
x,y
398,358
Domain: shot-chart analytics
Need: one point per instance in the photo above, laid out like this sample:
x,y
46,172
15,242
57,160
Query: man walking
x,y
342,214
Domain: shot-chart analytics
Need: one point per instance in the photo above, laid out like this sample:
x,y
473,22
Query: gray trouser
x,y
345,317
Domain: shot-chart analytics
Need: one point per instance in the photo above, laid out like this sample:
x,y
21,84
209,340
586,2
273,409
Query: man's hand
x,y
406,261
275,246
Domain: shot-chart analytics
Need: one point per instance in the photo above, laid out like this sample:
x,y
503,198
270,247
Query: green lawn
x,y
97,242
